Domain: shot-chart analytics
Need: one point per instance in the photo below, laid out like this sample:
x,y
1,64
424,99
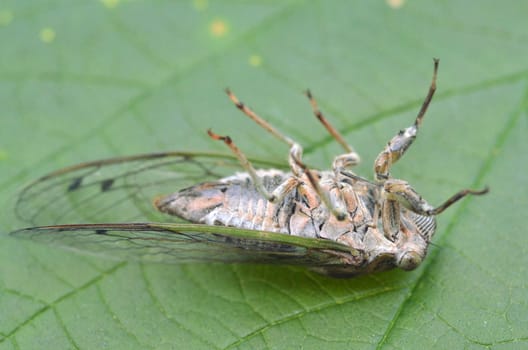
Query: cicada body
x,y
334,222
234,201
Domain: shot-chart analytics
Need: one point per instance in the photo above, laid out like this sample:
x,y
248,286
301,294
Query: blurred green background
x,y
83,80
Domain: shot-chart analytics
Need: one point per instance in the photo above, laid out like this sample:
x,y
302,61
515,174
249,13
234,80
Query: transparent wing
x,y
173,243
117,189
109,197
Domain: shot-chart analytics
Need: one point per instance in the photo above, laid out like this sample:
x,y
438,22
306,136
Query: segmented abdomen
x,y
234,201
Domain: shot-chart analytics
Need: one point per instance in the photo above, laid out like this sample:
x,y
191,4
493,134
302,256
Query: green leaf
x,y
83,80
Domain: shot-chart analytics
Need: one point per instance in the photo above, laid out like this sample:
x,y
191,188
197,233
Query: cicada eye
x,y
409,260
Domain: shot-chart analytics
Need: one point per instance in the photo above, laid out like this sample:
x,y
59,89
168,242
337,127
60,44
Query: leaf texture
x,y
88,80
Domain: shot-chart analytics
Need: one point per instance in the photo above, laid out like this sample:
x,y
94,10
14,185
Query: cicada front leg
x,y
395,149
399,144
403,193
397,193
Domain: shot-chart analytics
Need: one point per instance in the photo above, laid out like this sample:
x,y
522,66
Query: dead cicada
x,y
334,222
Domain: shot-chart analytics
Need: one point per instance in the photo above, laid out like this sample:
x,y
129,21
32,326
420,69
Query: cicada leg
x,y
274,196
348,159
399,144
401,191
295,148
295,153
397,193
395,149
333,203
296,165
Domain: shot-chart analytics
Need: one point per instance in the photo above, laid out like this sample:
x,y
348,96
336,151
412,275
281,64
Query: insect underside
x,y
334,222
385,223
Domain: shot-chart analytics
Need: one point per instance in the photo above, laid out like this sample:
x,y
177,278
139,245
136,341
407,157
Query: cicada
x,y
334,222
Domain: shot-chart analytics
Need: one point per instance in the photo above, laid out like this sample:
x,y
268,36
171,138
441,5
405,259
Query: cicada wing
x,y
118,189
176,243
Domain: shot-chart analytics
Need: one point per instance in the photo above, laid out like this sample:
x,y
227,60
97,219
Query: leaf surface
x,y
87,80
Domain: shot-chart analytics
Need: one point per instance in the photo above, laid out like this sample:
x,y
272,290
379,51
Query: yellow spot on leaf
x,y
5,17
255,60
3,154
47,35
395,4
218,28
200,5
111,4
